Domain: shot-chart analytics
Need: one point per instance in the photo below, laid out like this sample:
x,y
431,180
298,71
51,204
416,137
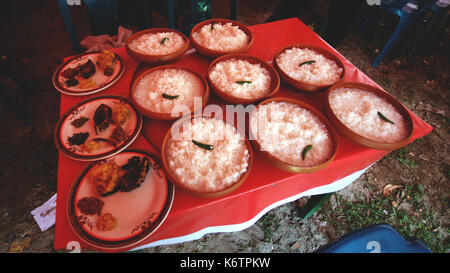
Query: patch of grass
x,y
244,247
447,170
180,249
447,123
349,216
402,156
270,224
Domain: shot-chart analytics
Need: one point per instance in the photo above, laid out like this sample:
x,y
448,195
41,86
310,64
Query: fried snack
x,y
105,177
135,172
78,139
80,75
70,73
87,69
102,118
120,114
106,61
86,83
79,122
106,222
90,205
118,136
90,146
72,82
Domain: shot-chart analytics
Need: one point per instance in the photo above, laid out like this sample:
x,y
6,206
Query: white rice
x,y
151,43
226,74
171,81
223,37
322,72
208,170
358,110
285,129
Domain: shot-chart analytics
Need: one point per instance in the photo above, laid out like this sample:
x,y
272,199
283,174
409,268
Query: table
x,y
266,187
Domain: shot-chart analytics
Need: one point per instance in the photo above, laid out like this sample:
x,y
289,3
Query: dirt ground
x,y
36,42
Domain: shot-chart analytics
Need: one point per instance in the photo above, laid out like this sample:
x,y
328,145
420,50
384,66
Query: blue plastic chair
x,y
381,238
200,10
439,11
103,17
395,7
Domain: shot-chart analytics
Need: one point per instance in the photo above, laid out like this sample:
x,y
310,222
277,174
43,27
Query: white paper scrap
x,y
45,215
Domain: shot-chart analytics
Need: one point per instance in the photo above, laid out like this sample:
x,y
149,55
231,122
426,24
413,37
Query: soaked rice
x,y
358,110
160,43
285,130
322,72
221,37
226,75
208,170
171,81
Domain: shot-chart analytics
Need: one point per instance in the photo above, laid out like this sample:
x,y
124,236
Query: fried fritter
x,y
105,178
106,222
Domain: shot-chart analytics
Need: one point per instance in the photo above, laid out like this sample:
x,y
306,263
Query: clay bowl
x,y
343,129
274,82
288,166
156,59
303,86
203,194
215,53
164,115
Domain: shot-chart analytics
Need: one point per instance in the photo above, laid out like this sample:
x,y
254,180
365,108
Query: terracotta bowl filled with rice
x,y
217,37
168,92
242,79
308,68
157,45
206,157
368,115
293,135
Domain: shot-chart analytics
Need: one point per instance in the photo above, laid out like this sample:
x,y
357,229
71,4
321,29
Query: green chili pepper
x,y
242,82
169,96
307,62
305,151
164,40
385,118
204,146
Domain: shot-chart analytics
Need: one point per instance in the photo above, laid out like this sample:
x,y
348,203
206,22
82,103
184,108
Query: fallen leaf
x,y
387,190
302,202
440,112
394,204
397,63
295,246
18,246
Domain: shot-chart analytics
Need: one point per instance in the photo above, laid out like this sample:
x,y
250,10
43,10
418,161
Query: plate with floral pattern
x,y
118,202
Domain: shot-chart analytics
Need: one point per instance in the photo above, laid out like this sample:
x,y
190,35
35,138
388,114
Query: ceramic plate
x,y
102,146
137,213
101,81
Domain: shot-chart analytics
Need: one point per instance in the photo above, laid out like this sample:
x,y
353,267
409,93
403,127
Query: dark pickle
x,y
102,118
72,82
77,123
78,139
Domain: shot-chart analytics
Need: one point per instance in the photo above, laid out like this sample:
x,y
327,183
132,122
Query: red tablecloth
x,y
266,185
